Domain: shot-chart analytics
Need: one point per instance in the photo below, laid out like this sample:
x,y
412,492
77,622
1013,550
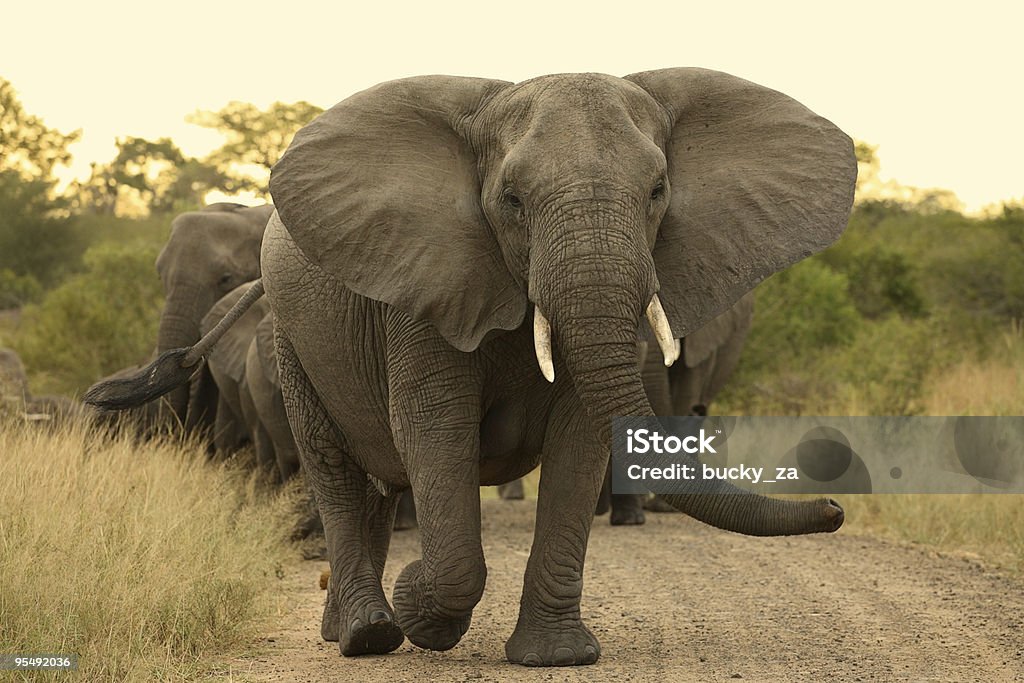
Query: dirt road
x,y
677,601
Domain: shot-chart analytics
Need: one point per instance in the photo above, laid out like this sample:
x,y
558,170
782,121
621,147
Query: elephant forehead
x,y
578,127
577,104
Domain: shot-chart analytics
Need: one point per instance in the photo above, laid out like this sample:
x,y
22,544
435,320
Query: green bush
x,y
35,240
98,321
885,369
17,290
804,308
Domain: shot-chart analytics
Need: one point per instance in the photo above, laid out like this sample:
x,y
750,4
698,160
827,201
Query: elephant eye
x,y
513,200
224,280
659,191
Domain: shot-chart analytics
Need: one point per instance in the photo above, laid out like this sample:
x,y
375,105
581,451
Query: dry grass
x,y
990,526
146,561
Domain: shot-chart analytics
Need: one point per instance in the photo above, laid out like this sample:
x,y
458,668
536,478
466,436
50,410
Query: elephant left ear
x,y
758,182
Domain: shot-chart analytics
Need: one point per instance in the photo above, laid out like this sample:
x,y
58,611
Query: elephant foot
x,y
627,510
405,518
422,628
377,636
370,630
513,490
569,646
658,504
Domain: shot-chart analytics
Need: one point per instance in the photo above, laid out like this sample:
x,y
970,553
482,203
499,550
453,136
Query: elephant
x,y
262,399
209,253
709,356
237,420
437,240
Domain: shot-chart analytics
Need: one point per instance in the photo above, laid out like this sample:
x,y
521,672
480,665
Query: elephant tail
x,y
171,368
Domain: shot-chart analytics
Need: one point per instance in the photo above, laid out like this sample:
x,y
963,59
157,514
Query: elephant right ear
x,y
382,191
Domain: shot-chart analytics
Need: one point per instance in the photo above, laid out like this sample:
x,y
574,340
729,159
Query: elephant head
x,y
209,253
584,200
464,200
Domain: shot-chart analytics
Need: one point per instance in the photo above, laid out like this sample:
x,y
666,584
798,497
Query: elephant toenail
x,y
589,654
355,625
563,656
532,659
380,617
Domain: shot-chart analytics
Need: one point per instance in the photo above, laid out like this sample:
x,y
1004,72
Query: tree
x,y
149,176
256,139
35,241
27,146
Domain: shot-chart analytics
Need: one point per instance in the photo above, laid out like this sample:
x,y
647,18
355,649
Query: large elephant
x,y
434,235
209,253
708,357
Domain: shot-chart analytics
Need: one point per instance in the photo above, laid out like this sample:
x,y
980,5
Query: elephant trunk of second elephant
x,y
179,328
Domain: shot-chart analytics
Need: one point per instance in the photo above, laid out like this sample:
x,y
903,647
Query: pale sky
x,y
939,90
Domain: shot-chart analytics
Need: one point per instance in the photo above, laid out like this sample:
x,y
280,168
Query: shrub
x,y
805,308
96,322
17,290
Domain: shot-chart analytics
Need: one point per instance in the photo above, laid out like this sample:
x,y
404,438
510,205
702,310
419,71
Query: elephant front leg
x,y
550,631
356,526
434,597
435,419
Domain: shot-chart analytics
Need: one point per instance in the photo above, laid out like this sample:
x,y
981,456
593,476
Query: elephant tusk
x,y
542,344
670,347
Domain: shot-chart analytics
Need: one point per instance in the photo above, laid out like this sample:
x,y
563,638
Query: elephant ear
x,y
265,350
731,325
758,182
228,354
382,192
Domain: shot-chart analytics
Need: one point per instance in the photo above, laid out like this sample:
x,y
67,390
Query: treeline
x,y
909,292
78,262
912,289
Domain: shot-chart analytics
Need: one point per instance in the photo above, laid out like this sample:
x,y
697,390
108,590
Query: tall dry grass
x,y
990,526
145,560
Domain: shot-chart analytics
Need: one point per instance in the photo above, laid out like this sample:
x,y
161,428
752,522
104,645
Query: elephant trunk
x,y
179,328
593,296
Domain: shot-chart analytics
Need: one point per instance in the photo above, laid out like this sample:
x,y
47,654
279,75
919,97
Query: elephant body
x,y
458,269
236,419
272,433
